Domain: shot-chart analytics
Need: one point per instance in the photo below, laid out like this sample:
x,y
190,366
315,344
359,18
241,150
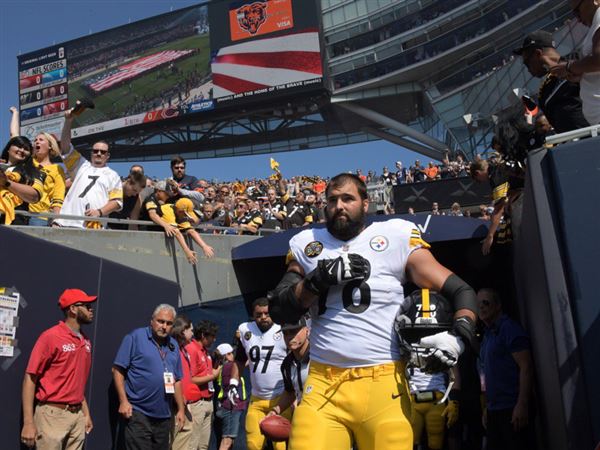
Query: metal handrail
x,y
201,227
567,136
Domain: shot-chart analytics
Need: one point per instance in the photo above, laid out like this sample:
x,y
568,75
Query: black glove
x,y
338,271
465,328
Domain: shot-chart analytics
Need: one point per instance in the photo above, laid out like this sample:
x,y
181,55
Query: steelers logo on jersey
x,y
248,335
313,249
379,243
277,336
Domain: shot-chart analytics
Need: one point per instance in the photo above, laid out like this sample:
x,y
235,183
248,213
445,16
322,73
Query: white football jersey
x,y
421,382
265,352
92,188
354,325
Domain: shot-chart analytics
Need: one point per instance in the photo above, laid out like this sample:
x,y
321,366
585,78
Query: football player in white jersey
x,y
351,277
263,345
96,190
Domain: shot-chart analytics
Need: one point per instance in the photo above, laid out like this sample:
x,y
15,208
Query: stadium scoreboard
x,y
200,60
43,90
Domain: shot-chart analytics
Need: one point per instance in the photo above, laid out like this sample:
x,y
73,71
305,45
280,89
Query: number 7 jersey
x,y
353,324
266,352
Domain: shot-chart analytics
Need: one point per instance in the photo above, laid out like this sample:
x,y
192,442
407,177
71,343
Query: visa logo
x,y
285,23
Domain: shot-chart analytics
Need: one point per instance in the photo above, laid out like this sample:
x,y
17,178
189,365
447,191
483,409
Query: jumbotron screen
x,y
191,61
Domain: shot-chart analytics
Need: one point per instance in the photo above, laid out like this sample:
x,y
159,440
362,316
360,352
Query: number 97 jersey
x,y
266,352
353,324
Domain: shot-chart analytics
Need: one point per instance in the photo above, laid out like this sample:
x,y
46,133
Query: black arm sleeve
x,y
462,296
459,293
286,372
240,354
284,306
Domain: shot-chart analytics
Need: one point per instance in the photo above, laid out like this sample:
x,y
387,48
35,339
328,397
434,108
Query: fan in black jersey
x,y
20,180
249,218
274,208
132,201
506,196
298,211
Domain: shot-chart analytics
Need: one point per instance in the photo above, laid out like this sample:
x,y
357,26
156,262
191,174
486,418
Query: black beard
x,y
344,231
264,328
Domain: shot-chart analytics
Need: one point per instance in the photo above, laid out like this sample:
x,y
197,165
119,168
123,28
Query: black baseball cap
x,y
302,322
537,39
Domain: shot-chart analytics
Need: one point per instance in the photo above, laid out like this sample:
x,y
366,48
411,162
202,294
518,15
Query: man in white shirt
x,y
96,190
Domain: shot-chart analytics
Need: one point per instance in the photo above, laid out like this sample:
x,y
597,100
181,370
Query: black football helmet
x,y
422,314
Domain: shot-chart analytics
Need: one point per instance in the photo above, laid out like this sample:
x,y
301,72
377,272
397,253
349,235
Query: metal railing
x,y
203,228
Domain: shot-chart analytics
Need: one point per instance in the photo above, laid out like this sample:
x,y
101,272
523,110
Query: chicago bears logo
x,y
251,17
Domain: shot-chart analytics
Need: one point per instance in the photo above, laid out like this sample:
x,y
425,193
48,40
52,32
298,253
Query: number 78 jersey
x,y
266,352
353,324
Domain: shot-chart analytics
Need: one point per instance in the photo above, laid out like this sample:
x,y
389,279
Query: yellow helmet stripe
x,y
425,305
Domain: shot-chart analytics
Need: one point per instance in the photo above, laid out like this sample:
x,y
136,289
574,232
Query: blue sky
x,y
27,25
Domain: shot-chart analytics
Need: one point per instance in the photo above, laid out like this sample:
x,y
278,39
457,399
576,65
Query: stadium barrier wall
x,y
420,196
40,271
556,261
153,253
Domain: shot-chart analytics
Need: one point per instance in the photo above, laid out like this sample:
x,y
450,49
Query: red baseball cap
x,y
71,296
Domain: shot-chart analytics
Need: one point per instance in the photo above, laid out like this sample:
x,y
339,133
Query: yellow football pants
x,y
428,415
368,405
257,410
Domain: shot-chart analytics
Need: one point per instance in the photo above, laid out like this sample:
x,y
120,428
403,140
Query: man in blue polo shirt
x,y
508,374
147,373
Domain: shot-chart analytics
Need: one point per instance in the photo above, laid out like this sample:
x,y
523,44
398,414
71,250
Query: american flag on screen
x,y
137,67
266,62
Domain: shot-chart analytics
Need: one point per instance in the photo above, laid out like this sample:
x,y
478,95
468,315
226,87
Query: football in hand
x,y
276,428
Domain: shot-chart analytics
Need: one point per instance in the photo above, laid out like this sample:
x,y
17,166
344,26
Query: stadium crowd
x,y
183,203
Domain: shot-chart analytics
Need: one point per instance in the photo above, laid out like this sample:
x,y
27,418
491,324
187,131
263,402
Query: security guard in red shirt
x,y
55,380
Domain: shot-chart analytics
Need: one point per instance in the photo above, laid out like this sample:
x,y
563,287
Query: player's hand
x,y
13,109
445,350
89,425
450,412
125,410
28,434
275,411
341,270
